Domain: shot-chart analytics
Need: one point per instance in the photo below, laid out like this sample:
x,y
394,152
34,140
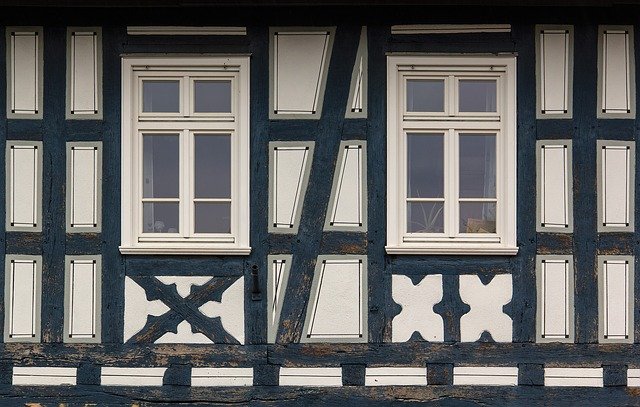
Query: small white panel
x,y
24,72
290,167
230,310
44,376
357,104
554,179
486,303
615,290
132,376
450,28
22,298
277,280
555,66
24,181
485,375
84,72
633,377
337,307
395,376
310,376
616,190
85,186
300,59
573,376
417,313
222,376
555,300
347,209
82,299
616,83
185,30
137,308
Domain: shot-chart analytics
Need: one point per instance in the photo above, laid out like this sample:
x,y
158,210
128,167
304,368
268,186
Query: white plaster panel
x,y
337,303
230,310
556,296
633,377
23,304
417,313
184,283
554,56
555,186
84,72
346,208
221,376
83,298
310,376
485,375
84,186
299,60
486,302
573,376
615,185
132,376
616,86
44,376
396,376
289,184
184,334
24,181
137,308
24,72
615,299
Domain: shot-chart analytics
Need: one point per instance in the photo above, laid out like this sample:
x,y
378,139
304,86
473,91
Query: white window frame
x,y
503,123
134,122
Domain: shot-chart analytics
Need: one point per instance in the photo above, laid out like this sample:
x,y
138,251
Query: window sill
x,y
186,250
464,250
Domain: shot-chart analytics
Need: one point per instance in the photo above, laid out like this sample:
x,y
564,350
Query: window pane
x,y
161,96
425,217
425,95
425,165
477,217
213,166
477,95
160,217
212,96
213,217
477,165
161,166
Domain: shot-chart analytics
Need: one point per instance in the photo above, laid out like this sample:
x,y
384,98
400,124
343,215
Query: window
x,y
451,155
185,164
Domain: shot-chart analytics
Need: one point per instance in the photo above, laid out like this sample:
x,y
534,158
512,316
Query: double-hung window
x,y
451,145
185,155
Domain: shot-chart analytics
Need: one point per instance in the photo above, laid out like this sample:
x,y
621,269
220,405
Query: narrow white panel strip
x,y
85,187
450,28
555,66
44,376
223,376
485,375
615,291
84,70
633,377
24,180
278,278
311,376
357,105
396,376
82,299
24,70
290,164
300,61
185,30
22,298
554,186
616,71
132,376
577,376
555,300
347,209
615,194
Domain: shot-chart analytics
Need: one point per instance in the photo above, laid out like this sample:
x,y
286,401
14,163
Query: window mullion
x,y
451,200
185,184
